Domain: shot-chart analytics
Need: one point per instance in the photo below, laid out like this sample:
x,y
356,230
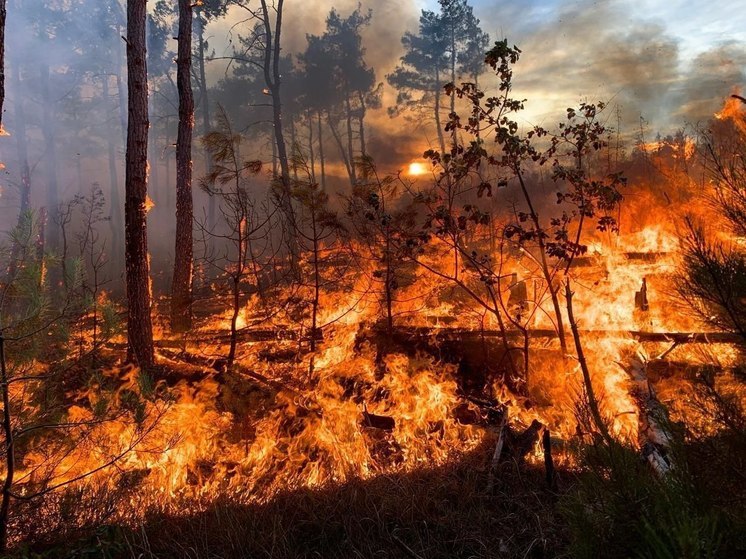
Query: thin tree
x,y
139,326
2,59
181,296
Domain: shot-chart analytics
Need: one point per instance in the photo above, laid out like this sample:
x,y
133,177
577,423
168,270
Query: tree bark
x,y
22,146
321,154
441,139
181,296
311,152
115,213
273,81
342,151
593,407
350,150
361,121
9,451
139,326
50,149
205,106
3,12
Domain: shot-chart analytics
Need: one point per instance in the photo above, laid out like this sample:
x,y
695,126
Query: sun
x,y
416,168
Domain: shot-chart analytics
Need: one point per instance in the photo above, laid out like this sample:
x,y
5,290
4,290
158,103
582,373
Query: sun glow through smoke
x,y
416,168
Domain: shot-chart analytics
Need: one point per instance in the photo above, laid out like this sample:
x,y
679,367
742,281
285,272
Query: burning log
x,y
498,451
383,422
523,443
516,446
438,335
632,256
641,297
655,441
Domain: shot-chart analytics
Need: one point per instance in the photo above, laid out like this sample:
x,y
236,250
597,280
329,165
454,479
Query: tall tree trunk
x,y
9,451
50,150
361,120
546,272
294,148
167,151
350,150
274,155
139,326
22,146
115,204
154,186
342,151
181,296
438,93
273,82
453,63
205,108
311,152
322,163
3,13
121,90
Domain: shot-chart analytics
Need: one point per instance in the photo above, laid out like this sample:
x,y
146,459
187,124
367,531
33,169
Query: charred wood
x,y
382,422
653,436
546,443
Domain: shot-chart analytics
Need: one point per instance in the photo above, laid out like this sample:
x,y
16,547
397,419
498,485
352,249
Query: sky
x,y
668,64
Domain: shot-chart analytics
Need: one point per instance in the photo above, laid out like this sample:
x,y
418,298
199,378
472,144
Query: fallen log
x,y
633,256
653,437
498,450
435,333
383,422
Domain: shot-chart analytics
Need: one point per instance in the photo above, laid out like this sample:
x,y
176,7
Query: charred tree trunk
x,y
181,296
350,150
316,281
294,149
22,146
321,154
361,121
273,81
139,326
587,382
205,107
50,149
342,151
154,183
115,214
311,152
546,272
3,12
121,90
438,93
9,452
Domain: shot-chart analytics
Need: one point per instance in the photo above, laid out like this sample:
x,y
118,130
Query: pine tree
x,y
139,326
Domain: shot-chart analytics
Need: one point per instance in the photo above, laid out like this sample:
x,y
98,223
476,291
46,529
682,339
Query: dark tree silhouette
x,y
3,12
422,73
449,43
181,301
139,326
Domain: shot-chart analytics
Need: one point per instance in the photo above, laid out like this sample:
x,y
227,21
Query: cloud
x,y
710,77
590,51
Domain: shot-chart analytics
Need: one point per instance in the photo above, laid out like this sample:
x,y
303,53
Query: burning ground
x,y
530,344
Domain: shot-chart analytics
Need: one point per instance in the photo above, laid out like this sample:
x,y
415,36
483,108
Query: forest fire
x,y
527,342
